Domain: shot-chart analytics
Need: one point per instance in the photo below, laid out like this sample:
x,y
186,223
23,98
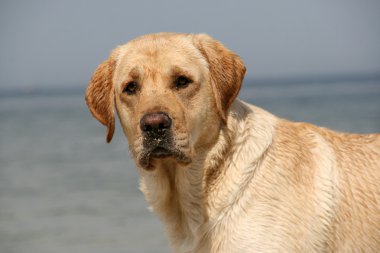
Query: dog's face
x,y
171,92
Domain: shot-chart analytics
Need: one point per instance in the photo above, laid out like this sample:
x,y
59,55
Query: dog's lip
x,y
160,152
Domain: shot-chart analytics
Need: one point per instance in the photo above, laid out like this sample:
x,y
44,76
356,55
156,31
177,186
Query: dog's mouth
x,y
161,152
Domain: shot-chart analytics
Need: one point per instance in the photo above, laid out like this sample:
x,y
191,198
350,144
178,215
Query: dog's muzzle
x,y
156,129
158,141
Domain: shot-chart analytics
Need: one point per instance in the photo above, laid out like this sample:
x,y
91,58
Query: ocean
x,y
63,189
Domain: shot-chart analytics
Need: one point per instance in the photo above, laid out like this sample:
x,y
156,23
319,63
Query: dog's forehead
x,y
156,52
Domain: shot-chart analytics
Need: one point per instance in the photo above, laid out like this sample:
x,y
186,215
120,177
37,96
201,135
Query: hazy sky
x,y
60,43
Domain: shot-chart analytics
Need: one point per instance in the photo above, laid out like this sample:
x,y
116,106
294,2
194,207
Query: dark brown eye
x,y
182,82
130,88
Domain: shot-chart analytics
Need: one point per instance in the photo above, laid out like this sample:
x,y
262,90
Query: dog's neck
x,y
189,198
249,131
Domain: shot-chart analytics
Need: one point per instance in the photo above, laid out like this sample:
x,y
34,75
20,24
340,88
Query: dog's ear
x,y
226,71
100,95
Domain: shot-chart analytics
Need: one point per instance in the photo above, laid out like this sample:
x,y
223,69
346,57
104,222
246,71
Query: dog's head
x,y
171,91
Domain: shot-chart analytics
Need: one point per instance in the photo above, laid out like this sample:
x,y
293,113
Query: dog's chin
x,y
147,159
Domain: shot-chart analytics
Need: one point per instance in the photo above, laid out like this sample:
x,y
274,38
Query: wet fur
x,y
251,182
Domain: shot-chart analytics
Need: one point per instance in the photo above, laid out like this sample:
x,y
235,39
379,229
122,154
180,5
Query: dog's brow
x,y
134,73
178,71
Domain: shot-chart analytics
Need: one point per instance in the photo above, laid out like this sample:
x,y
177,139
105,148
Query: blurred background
x,y
63,189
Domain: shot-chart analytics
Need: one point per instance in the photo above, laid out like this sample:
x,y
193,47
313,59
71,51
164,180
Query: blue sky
x,y
60,43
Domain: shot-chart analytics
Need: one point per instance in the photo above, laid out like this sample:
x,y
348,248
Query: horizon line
x,y
43,89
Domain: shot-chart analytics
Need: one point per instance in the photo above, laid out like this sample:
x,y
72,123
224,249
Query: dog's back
x,y
343,174
356,223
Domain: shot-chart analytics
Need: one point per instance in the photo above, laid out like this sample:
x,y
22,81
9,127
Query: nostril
x,y
147,128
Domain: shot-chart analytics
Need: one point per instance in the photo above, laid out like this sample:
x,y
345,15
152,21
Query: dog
x,y
225,176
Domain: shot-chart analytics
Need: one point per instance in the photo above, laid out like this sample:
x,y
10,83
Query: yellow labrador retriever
x,y
225,176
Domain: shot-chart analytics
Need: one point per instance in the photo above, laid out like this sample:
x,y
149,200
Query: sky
x,y
58,44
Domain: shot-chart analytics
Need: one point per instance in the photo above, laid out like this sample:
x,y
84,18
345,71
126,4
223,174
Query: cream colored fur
x,y
253,182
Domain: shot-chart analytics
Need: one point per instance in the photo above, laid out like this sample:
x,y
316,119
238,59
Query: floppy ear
x,y
100,96
226,71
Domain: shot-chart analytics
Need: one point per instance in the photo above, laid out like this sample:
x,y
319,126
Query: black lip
x,y
160,152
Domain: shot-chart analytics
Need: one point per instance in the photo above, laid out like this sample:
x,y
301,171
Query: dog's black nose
x,y
155,122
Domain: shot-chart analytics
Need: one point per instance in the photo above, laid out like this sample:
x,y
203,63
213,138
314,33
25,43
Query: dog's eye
x,y
182,82
130,88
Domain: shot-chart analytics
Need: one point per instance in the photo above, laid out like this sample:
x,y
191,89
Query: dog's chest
x,y
193,226
177,201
